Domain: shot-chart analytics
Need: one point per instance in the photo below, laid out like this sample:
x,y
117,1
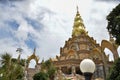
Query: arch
x,y
32,63
74,47
118,49
109,54
72,53
34,57
111,47
96,53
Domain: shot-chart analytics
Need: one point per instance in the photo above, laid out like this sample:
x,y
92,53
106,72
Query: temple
x,y
80,46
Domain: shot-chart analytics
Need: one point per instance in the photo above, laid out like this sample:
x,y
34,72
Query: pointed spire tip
x,y
34,50
77,8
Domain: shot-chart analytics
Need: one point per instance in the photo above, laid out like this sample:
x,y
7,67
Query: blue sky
x,y
46,24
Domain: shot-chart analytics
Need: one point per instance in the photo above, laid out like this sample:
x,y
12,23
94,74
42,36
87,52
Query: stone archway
x,y
112,47
32,57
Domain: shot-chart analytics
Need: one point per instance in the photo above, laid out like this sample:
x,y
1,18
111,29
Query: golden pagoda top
x,y
78,27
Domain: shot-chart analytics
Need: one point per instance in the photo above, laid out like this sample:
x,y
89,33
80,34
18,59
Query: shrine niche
x,y
83,56
74,47
95,54
76,40
83,47
82,39
62,58
65,50
72,55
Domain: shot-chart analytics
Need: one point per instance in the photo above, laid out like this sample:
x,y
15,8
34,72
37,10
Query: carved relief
x,y
71,55
76,40
65,50
83,47
74,47
81,39
83,55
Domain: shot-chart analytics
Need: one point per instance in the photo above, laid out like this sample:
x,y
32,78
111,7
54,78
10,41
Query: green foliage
x,y
114,23
41,76
51,71
11,69
67,79
115,71
48,68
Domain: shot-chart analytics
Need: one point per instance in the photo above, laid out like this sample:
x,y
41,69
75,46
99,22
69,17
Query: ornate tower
x,y
79,47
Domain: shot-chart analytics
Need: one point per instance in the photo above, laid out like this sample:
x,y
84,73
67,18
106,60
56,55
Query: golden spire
x,y
78,27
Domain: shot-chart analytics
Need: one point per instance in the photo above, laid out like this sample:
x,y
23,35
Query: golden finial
x,y
77,9
78,27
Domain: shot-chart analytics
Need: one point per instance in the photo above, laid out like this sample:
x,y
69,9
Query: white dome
x,y
87,65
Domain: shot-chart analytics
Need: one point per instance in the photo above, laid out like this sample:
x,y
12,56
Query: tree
x,y
47,68
115,71
114,23
41,76
11,69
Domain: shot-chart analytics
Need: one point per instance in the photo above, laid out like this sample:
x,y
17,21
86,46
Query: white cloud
x,y
9,45
56,17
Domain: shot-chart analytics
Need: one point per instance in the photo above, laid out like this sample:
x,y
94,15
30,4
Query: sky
x,y
47,24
